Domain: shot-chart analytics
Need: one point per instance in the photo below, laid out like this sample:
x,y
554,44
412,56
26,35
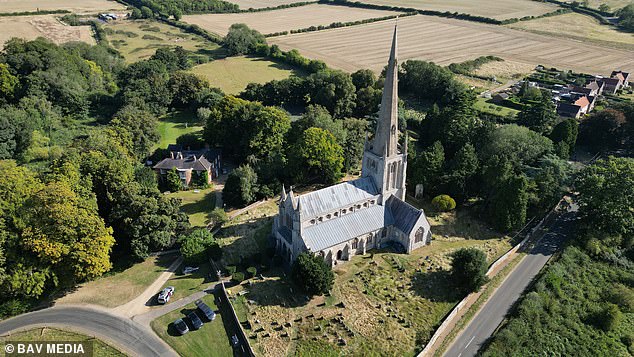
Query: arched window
x,y
312,221
365,204
320,219
328,216
343,211
336,214
358,206
419,236
355,243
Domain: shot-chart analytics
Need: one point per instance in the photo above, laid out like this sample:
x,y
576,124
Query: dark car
x,y
206,310
181,326
195,320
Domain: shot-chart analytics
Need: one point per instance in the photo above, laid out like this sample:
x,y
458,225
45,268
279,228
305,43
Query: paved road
x,y
122,333
493,312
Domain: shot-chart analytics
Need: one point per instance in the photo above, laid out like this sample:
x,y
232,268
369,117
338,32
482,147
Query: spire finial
x,y
283,196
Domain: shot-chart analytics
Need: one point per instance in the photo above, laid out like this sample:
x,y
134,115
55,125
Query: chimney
x,y
172,154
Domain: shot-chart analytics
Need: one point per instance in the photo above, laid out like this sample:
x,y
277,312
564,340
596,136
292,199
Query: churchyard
x,y
499,10
446,41
83,6
48,26
382,302
285,19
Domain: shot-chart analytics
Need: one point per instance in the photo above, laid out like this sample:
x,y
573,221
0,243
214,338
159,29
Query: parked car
x,y
181,326
206,310
165,295
234,340
189,270
195,320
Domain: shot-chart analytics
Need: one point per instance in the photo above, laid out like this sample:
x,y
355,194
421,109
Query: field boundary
x,y
32,13
272,8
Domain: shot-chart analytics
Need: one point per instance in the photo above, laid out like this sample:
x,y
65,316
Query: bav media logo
x,y
49,348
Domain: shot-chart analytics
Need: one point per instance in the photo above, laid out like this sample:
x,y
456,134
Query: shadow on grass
x,y
435,286
276,292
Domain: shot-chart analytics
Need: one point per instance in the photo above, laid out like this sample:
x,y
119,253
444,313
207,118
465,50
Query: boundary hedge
x,y
28,13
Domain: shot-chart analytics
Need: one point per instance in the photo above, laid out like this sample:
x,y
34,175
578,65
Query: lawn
x,y
175,124
382,303
198,205
187,284
118,287
579,27
232,74
100,348
209,340
139,39
486,106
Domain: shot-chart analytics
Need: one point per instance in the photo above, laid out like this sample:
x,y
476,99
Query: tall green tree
x,y
241,187
541,116
317,155
312,274
427,167
468,269
242,40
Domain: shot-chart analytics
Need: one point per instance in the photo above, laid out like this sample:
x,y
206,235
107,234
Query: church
x,y
350,218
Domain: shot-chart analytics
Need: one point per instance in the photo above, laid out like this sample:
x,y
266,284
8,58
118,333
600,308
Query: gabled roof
x,y
344,228
582,102
338,196
198,164
566,109
611,81
405,215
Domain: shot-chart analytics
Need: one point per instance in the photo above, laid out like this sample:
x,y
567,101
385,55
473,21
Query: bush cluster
x,y
443,203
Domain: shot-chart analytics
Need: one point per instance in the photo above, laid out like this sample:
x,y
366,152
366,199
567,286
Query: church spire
x,y
386,137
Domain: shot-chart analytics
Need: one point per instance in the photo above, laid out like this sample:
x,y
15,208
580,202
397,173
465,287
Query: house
x,y
583,103
611,85
190,164
569,110
595,87
624,77
350,218
499,98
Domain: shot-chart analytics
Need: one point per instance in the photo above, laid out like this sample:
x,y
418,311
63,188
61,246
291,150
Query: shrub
x,y
443,203
14,307
252,272
468,269
198,245
609,317
218,217
312,274
231,269
237,277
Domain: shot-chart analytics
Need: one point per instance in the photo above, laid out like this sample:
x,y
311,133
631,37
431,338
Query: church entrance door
x,y
339,255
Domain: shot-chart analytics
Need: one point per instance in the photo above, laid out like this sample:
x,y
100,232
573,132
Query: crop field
x,y
578,27
285,19
32,27
76,6
613,4
495,9
444,41
139,39
259,4
232,74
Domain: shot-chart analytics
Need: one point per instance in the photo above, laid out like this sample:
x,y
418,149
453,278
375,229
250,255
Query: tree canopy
x,y
312,274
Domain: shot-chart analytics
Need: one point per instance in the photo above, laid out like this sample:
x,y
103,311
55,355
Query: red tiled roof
x,y
582,102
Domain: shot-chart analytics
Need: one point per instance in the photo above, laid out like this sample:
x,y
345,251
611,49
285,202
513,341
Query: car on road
x,y
195,320
206,310
181,326
165,295
234,340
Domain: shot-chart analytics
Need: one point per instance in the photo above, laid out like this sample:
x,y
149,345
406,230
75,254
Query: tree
x,y
8,82
317,154
609,317
242,40
186,88
606,193
241,187
509,203
443,203
312,274
198,246
541,116
363,78
173,181
604,7
440,84
626,17
515,144
174,59
603,130
141,125
468,269
333,90
146,12
564,135
356,130
427,168
462,168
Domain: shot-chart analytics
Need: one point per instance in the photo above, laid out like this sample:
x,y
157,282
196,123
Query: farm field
x,y
613,4
139,39
444,41
259,4
381,304
100,349
285,19
32,27
579,27
232,74
495,9
83,6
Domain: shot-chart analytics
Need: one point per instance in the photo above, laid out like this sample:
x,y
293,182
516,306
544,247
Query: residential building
x,y
190,164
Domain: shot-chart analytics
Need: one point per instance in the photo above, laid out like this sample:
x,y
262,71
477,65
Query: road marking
x,y
471,340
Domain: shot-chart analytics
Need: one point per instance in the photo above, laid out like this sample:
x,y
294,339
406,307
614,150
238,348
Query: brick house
x,y
190,164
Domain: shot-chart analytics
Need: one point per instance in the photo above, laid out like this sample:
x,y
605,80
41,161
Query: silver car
x,y
165,295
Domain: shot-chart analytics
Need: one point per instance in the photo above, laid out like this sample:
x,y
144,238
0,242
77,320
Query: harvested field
x,y
139,39
495,9
578,27
448,40
613,4
80,7
32,27
259,4
285,19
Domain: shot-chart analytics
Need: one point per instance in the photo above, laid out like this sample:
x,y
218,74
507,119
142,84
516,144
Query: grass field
x,y
449,40
285,19
119,287
32,27
139,39
613,4
210,340
175,124
197,205
579,27
81,7
484,105
505,70
232,74
259,4
100,349
495,9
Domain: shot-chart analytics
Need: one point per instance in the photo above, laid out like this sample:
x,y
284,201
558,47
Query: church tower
x,y
382,159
